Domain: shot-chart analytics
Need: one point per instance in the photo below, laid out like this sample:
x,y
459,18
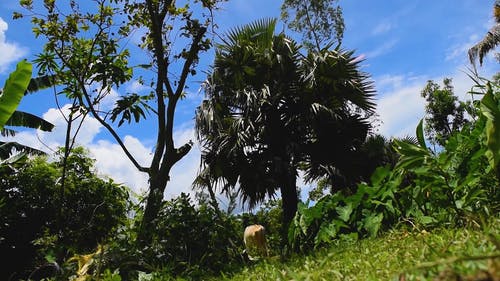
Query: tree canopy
x,y
271,110
87,49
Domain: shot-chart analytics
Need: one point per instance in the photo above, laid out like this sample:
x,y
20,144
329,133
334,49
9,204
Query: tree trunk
x,y
153,206
289,202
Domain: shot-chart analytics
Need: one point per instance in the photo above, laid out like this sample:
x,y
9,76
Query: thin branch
x,y
312,28
195,48
112,132
156,31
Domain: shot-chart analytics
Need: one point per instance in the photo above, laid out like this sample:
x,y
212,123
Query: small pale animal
x,y
255,241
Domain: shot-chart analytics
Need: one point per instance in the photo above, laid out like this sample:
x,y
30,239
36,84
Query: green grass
x,y
397,255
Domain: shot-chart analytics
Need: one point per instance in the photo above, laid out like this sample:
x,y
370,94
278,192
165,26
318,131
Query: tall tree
x,y
319,21
489,41
445,114
270,111
87,48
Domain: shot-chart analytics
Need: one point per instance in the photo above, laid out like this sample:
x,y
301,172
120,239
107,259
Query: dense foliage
x,y
445,114
319,21
42,223
194,239
271,110
457,186
88,48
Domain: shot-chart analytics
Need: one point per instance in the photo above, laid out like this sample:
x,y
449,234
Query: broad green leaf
x,y
489,108
345,212
420,134
372,223
28,120
379,175
325,234
13,91
42,82
425,219
14,159
412,156
7,147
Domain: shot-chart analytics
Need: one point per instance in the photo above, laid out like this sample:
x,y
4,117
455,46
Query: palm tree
x,y
270,111
490,40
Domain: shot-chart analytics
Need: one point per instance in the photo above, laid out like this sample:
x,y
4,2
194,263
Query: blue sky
x,y
404,43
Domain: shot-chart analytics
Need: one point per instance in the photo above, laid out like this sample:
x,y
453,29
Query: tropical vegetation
x,y
422,207
19,83
271,110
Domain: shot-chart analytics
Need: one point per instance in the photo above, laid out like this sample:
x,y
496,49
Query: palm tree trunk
x,y
289,201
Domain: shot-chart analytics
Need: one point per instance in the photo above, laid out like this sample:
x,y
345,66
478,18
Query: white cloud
x,y
389,81
460,49
136,87
382,49
400,107
381,28
111,161
50,141
183,174
11,52
109,100
86,132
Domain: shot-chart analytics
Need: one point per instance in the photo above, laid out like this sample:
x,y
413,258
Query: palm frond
x,y
488,43
336,76
408,139
260,32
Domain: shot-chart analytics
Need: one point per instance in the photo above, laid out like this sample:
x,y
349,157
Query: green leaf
x,y
420,134
13,91
42,82
326,234
412,156
372,223
489,108
379,175
7,147
345,212
28,120
425,219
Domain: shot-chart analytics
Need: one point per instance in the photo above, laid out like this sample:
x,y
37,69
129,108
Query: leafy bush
x,y
456,186
189,240
41,222
364,213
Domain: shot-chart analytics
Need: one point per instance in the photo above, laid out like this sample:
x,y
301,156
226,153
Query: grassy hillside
x,y
441,254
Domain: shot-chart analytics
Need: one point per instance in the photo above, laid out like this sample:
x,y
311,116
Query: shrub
x,y
41,222
457,186
189,240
